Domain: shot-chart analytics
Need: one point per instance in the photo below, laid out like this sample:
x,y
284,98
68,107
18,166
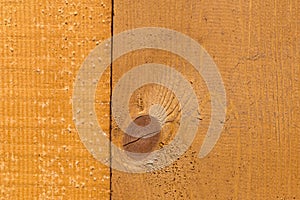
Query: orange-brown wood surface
x,y
43,44
256,47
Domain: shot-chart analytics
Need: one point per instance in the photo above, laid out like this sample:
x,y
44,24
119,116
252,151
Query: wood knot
x,y
142,136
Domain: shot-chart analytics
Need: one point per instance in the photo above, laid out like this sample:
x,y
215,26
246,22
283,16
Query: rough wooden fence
x,y
254,43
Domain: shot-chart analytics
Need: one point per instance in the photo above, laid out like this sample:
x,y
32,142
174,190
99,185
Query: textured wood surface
x,y
256,47
255,44
42,46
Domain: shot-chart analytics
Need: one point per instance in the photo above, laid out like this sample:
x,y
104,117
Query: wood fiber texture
x,y
256,47
42,46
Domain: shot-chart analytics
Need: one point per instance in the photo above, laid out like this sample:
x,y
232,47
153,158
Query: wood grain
x,y
256,47
42,45
254,43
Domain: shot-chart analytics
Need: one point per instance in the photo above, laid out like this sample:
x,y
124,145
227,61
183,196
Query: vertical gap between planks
x,y
110,104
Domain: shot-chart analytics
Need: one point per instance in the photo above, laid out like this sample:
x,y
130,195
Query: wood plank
x,y
42,45
256,48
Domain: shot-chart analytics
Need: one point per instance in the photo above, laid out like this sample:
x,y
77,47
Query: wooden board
x,y
42,46
256,47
